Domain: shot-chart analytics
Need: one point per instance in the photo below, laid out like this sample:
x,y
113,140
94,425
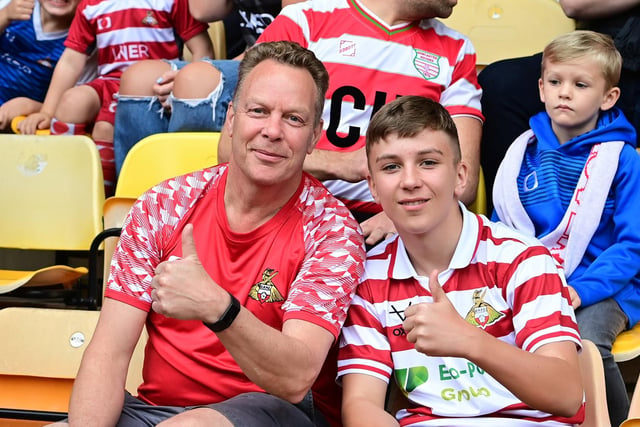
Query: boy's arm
x,y
363,402
66,74
437,329
20,106
200,46
16,10
210,10
470,134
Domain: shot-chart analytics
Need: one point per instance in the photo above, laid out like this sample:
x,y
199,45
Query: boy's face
x,y
416,180
60,8
574,93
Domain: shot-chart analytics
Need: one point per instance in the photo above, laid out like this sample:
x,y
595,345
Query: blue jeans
x,y
601,323
138,117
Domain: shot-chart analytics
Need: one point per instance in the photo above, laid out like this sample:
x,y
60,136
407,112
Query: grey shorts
x,y
245,410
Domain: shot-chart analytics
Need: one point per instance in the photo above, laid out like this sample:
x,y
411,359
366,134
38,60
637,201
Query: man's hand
x,y
34,122
377,228
182,289
575,298
19,10
436,328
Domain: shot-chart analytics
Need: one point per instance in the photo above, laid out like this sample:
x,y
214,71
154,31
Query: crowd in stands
x,y
348,126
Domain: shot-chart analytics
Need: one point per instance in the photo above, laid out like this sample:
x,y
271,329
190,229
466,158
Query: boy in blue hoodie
x,y
572,181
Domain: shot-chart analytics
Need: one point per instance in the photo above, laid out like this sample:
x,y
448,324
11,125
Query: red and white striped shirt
x,y
498,280
370,64
125,32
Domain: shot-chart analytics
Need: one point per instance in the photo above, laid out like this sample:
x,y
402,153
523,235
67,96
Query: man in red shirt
x,y
242,273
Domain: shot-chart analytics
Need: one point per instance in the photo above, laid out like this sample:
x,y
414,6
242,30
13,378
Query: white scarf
x,y
569,241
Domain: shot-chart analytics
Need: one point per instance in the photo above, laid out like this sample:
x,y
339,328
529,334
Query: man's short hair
x,y
586,44
287,53
407,116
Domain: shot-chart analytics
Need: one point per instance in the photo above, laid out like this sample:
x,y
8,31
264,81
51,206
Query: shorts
x,y
245,410
106,88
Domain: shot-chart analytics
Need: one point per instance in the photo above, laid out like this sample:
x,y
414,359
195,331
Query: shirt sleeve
x,y
82,36
333,265
185,24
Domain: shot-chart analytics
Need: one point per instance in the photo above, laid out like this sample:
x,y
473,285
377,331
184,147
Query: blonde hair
x,y
581,44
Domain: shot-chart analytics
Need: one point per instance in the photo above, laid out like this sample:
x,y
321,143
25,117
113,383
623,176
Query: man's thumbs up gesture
x,y
182,289
436,328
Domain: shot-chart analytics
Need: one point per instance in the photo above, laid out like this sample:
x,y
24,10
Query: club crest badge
x,y
150,20
482,313
427,64
265,290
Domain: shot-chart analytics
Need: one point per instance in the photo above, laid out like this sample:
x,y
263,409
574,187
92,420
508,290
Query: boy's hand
x,y
575,298
436,328
163,87
20,10
34,122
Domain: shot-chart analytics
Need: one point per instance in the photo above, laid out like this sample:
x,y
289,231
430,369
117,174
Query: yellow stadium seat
x,y
627,345
52,193
46,347
479,206
165,155
501,29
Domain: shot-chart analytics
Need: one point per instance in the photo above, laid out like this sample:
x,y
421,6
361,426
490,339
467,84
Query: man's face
x,y
423,9
416,180
272,124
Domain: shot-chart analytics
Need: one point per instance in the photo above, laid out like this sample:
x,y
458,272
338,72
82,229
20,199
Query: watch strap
x,y
227,317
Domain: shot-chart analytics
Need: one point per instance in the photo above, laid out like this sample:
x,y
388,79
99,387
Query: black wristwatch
x,y
227,317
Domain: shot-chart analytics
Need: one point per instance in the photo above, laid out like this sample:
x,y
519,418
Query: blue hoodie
x,y
611,264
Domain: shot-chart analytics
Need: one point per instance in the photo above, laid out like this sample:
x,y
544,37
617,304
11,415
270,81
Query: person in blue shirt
x,y
572,181
32,33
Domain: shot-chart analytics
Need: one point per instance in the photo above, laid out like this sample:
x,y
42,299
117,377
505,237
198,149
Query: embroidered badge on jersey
x,y
265,290
427,64
150,20
482,313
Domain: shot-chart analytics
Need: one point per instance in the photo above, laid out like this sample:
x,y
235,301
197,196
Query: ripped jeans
x,y
138,117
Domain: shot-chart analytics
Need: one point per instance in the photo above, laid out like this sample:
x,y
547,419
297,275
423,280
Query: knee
x,y
197,417
102,131
79,104
139,78
196,80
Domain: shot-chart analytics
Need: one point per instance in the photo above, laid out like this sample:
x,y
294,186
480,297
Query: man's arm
x,y
66,74
262,352
98,391
470,134
437,329
596,9
363,402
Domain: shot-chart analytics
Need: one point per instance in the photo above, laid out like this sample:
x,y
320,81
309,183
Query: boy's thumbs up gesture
x,y
436,328
182,289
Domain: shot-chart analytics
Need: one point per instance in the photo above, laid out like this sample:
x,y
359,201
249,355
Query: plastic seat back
x,y
165,155
502,29
52,192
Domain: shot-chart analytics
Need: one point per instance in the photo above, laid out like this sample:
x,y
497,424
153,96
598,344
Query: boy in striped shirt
x,y
471,318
